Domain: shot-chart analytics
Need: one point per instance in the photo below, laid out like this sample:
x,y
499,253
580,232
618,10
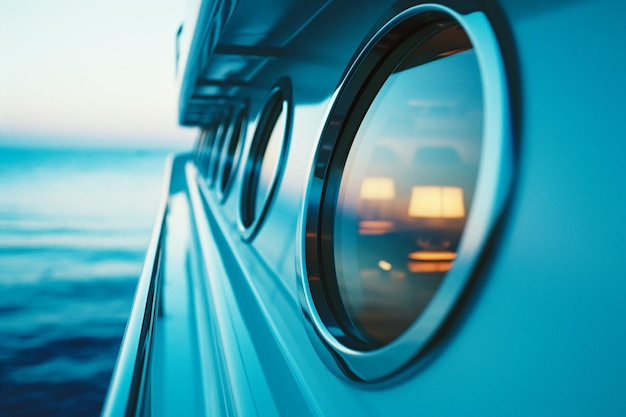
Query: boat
x,y
391,208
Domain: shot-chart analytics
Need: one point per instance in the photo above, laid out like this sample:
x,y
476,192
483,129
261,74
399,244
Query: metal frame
x,y
232,149
249,222
340,351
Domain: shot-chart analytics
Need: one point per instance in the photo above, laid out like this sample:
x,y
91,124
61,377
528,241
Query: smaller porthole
x,y
204,148
231,152
215,149
265,159
197,148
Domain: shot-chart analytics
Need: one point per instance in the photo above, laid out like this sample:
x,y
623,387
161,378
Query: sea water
x,y
74,225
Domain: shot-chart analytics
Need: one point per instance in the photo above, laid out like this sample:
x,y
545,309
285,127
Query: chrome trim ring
x,y
340,351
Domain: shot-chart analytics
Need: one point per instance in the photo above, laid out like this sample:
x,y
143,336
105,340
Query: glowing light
x,y
375,227
432,256
384,265
422,267
437,202
378,188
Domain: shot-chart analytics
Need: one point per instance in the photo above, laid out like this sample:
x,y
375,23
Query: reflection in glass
x,y
407,188
264,161
436,202
232,155
216,149
271,160
206,144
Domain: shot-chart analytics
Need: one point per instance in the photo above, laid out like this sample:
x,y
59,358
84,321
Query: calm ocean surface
x,y
74,225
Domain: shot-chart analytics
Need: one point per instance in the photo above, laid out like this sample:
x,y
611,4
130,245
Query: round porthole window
x,y
204,148
231,152
216,148
410,174
265,159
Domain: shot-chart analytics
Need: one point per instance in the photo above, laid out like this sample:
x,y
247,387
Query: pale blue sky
x,y
90,71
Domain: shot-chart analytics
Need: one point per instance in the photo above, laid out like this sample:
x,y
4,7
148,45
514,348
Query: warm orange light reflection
x,y
432,256
450,52
375,227
437,202
378,188
384,265
421,267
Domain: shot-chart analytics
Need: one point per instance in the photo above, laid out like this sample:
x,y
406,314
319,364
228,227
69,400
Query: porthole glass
x,y
197,148
407,188
215,150
271,158
204,152
231,152
265,158
411,170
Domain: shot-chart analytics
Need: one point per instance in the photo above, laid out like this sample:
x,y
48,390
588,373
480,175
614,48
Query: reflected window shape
x,y
271,159
378,188
398,221
437,202
375,202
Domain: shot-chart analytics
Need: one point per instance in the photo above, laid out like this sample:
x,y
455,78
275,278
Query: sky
x,y
90,73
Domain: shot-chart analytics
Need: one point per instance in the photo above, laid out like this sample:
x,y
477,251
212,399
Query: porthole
x,y
231,152
410,173
205,145
265,159
215,149
197,148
